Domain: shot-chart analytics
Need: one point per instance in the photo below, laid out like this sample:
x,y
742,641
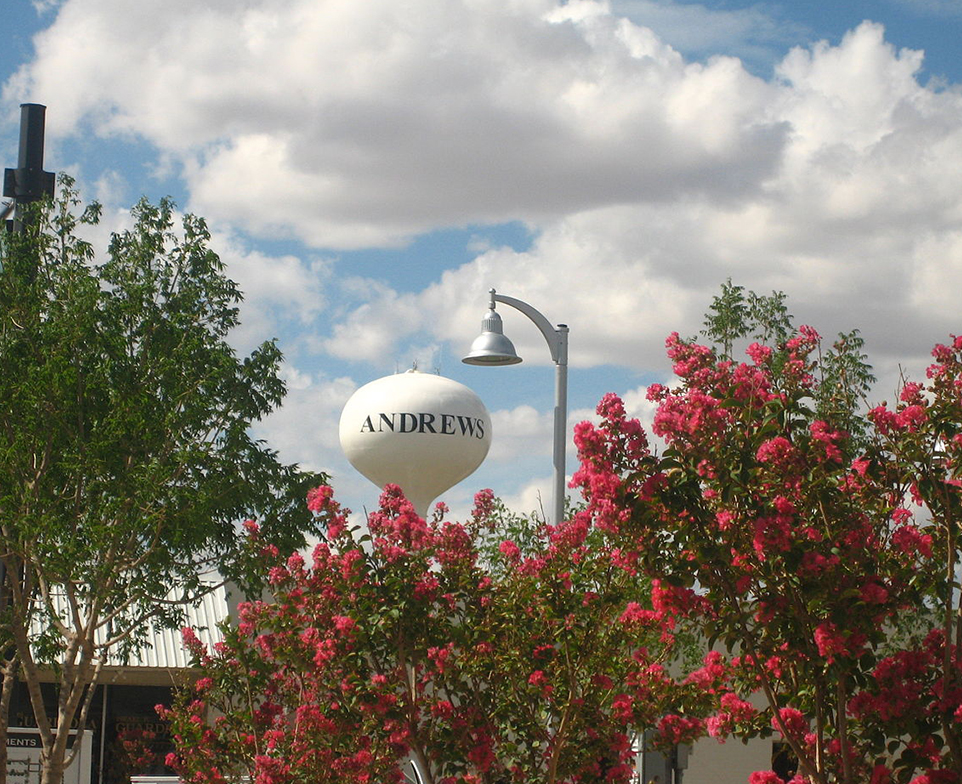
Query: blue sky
x,y
370,169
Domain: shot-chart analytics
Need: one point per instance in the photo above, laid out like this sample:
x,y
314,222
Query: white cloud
x,y
533,498
646,180
522,430
279,291
852,94
354,125
109,187
860,227
638,406
305,427
370,332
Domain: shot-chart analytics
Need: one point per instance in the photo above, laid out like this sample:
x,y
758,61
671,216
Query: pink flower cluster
x,y
785,538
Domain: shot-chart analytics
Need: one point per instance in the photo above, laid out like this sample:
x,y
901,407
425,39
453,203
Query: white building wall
x,y
732,762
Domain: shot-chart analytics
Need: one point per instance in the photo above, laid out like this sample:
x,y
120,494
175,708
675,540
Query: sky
x,y
370,169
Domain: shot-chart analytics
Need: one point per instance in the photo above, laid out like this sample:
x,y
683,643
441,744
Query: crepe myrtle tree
x,y
126,461
477,655
816,540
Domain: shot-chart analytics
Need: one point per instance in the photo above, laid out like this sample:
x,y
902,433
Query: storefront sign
x,y
23,757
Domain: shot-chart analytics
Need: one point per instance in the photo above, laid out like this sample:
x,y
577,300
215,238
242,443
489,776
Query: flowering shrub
x,y
479,658
801,548
133,753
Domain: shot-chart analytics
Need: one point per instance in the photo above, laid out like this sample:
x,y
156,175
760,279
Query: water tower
x,y
420,431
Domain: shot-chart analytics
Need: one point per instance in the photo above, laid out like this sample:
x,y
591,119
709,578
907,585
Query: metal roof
x,y
165,650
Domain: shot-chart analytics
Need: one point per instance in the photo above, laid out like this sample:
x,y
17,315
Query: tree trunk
x,y
53,770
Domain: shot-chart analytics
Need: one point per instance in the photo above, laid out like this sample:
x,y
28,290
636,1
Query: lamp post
x,y
491,347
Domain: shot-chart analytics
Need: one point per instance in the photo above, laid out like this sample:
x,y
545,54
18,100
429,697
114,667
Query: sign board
x,y
23,757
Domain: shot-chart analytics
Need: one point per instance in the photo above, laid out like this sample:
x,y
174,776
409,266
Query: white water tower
x,y
417,430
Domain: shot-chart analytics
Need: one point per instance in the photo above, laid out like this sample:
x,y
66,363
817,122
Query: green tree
x,y
728,317
844,374
126,461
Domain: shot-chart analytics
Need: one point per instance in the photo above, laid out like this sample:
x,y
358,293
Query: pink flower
x,y
602,681
911,418
881,775
912,393
719,726
203,684
318,498
724,518
611,407
765,777
538,678
873,593
636,614
191,641
772,535
425,588
829,640
760,354
828,438
794,722
909,540
739,709
483,504
656,392
714,670
441,657
776,451
674,599
883,419
621,707
680,729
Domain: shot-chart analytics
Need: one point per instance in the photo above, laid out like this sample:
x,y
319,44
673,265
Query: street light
x,y
491,347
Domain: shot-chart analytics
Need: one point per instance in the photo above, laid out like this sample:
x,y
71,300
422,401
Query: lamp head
x,y
491,347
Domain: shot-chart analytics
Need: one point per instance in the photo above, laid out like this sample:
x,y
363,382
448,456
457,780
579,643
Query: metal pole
x,y
560,423
103,732
28,182
557,339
